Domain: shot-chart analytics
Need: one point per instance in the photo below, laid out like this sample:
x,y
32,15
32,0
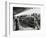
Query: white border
x,y
9,20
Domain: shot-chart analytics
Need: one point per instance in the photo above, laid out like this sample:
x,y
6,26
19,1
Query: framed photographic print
x,y
23,18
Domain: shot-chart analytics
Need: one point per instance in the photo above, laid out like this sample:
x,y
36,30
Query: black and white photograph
x,y
23,18
26,18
